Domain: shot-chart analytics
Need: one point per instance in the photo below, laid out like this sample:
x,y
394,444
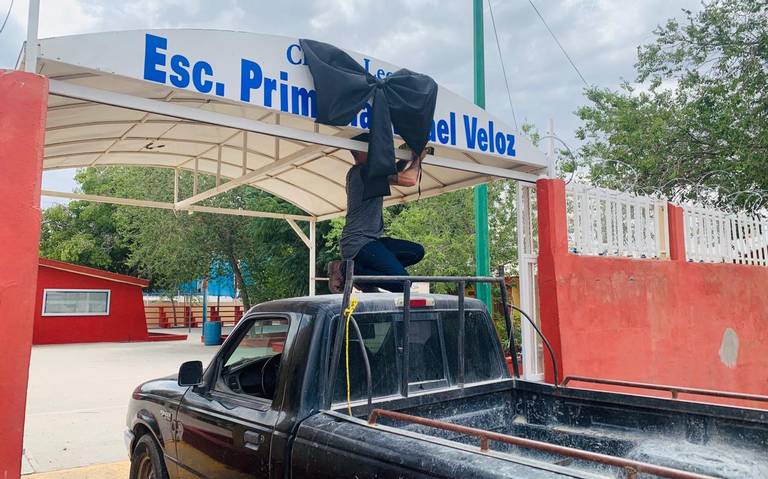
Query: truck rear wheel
x,y
147,460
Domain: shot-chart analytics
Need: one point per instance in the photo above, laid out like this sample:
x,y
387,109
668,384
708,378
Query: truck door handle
x,y
252,440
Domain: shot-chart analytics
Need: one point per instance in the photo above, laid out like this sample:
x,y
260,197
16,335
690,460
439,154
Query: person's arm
x,y
410,175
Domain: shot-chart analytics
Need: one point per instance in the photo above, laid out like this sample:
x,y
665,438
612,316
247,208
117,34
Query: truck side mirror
x,y
191,373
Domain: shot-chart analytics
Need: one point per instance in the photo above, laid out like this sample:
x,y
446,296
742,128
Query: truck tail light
x,y
416,302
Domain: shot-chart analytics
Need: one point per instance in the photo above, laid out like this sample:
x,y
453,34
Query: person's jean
x,y
387,257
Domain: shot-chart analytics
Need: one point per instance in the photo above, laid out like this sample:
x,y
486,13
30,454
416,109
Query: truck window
x,y
264,338
252,368
380,343
433,353
482,359
426,353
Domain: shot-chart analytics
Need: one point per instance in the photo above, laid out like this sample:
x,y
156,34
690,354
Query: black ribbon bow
x,y
404,100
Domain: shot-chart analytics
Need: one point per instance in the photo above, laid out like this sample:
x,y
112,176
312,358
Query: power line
x,y
501,60
10,7
558,43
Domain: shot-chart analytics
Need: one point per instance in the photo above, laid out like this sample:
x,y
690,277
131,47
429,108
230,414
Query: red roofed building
x,y
77,304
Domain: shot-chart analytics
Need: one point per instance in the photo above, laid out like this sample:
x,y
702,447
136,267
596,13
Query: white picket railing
x,y
604,222
714,236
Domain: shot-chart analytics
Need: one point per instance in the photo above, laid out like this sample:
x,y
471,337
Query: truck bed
x,y
710,440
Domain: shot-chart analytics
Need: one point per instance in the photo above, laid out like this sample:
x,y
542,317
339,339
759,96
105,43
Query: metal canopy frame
x,y
157,106
317,144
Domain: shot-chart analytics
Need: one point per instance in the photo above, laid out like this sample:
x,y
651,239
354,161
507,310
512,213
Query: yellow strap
x,y
348,314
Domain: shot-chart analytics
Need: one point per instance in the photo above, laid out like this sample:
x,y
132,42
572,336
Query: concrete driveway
x,y
78,396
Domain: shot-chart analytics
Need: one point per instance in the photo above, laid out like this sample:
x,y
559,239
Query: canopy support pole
x,y
311,243
32,49
312,256
194,181
551,162
218,167
245,153
175,185
299,232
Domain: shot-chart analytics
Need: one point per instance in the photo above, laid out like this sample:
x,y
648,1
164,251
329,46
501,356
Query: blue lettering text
x,y
180,76
202,85
251,78
154,55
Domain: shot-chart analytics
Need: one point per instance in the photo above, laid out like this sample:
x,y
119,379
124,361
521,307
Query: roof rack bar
x,y
426,279
336,354
407,281
462,328
406,335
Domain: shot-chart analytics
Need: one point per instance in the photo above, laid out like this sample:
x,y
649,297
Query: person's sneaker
x,y
336,276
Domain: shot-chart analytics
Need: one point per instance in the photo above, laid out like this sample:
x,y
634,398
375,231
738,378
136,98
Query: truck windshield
x,y
433,353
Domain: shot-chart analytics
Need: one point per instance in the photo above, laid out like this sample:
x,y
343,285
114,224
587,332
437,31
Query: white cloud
x,y
337,13
59,17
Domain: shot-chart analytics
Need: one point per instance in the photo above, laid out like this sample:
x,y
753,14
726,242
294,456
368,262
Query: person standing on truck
x,y
363,240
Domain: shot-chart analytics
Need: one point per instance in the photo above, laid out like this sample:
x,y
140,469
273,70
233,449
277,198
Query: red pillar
x,y
553,252
676,233
23,108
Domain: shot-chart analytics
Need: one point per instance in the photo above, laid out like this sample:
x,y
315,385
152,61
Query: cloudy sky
x,y
429,36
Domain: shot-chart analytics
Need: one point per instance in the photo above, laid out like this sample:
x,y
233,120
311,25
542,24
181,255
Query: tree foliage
x,y
84,233
696,125
169,247
445,226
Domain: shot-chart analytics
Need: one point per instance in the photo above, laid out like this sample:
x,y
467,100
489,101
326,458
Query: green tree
x,y
83,233
696,127
445,226
168,247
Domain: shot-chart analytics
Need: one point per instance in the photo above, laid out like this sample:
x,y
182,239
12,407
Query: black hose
x,y
546,343
365,360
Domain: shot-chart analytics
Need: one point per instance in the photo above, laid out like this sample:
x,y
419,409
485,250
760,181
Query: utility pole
x,y
482,253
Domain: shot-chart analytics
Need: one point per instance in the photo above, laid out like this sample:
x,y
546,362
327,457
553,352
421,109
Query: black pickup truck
x,y
278,400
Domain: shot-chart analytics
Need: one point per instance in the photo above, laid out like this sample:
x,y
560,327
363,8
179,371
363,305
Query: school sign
x,y
266,71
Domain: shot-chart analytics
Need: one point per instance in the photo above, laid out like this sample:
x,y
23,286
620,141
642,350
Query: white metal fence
x,y
715,236
604,222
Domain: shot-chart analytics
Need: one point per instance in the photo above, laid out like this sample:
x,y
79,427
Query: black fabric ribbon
x,y
404,100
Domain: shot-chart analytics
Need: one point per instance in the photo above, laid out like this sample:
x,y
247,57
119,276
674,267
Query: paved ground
x,y
116,470
78,396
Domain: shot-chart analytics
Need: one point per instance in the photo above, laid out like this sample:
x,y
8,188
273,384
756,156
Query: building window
x,y
75,302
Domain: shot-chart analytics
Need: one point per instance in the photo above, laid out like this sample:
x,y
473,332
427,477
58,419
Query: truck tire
x,y
147,460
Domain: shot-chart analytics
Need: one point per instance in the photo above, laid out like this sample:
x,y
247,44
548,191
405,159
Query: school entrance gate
x,y
235,106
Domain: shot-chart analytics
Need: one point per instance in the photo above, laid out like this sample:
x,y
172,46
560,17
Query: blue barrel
x,y
212,333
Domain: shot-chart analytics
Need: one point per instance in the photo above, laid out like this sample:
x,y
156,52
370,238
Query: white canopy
x,y
239,106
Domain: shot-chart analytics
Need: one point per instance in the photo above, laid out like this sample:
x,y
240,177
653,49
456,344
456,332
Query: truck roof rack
x,y
461,281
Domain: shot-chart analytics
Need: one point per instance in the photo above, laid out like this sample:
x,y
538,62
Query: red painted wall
x,y
125,322
651,321
23,108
